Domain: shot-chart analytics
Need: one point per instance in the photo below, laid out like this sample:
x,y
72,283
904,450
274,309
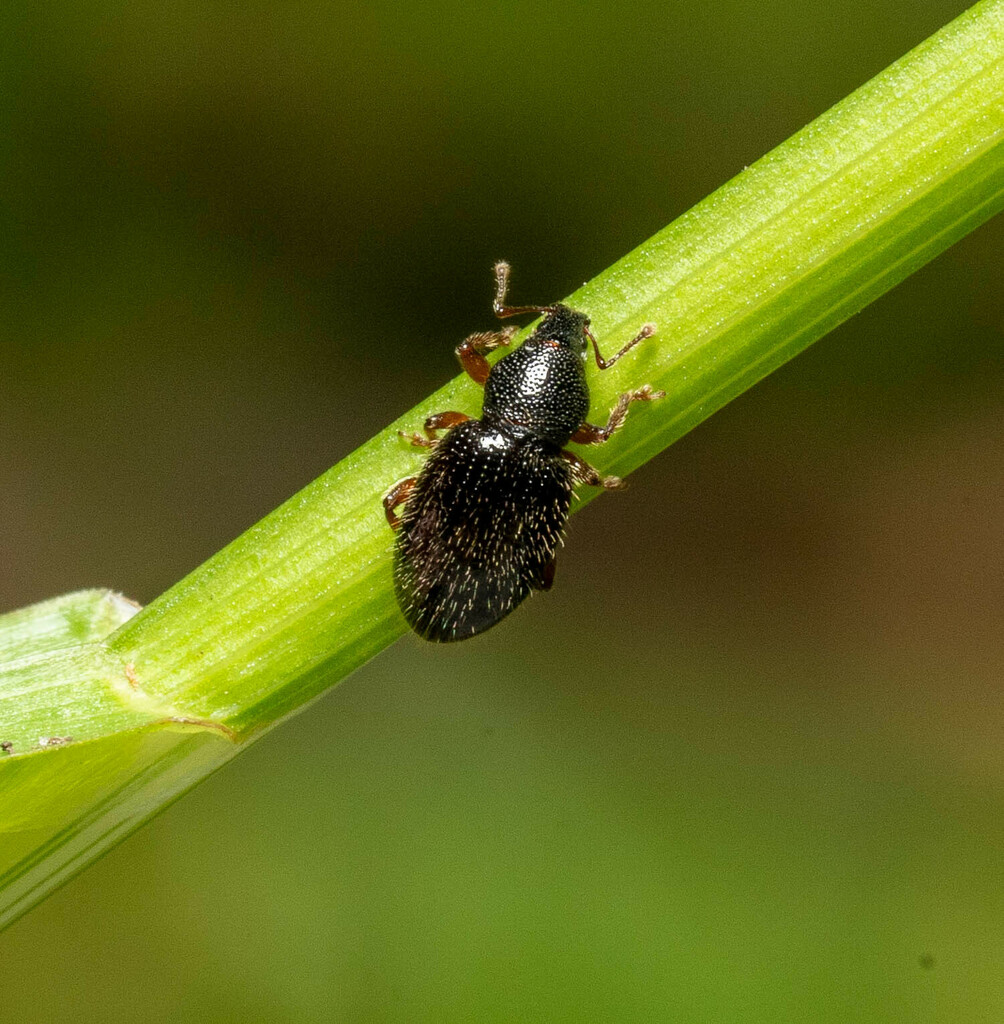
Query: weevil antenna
x,y
501,287
646,332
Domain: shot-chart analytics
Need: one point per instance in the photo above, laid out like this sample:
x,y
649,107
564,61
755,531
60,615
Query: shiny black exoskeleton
x,y
483,519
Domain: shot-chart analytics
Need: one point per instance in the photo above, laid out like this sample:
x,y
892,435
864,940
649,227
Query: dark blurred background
x,y
744,763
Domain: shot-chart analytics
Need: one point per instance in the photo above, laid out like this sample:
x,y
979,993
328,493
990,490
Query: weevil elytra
x,y
482,520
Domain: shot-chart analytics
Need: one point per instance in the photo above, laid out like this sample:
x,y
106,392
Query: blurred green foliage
x,y
745,766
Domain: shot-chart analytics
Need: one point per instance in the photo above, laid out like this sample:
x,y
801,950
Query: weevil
x,y
481,522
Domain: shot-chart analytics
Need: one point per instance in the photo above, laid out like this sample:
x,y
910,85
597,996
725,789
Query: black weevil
x,y
483,518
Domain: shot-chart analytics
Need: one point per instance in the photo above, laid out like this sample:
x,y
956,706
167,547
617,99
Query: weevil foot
x,y
417,440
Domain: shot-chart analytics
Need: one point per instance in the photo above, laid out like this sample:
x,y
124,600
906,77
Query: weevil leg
x,y
395,498
646,332
589,433
583,473
417,439
471,351
443,421
437,421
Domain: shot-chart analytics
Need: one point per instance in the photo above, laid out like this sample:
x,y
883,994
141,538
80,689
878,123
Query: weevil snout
x,y
568,327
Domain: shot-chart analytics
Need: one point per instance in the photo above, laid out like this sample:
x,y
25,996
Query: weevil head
x,y
565,327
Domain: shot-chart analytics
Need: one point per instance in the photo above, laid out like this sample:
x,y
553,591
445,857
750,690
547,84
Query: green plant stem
x,y
774,259
814,231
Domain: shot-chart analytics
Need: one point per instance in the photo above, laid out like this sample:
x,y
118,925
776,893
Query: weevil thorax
x,y
541,387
